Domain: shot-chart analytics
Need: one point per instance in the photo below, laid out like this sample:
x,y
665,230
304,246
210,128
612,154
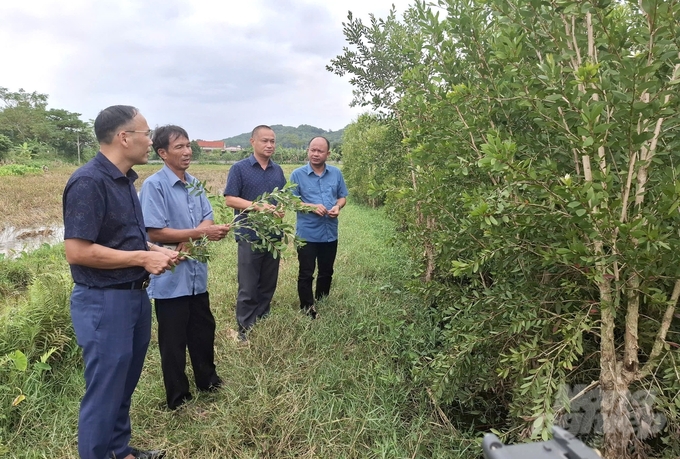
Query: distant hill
x,y
290,137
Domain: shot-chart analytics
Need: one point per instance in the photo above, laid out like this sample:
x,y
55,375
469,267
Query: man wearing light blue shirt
x,y
321,187
174,215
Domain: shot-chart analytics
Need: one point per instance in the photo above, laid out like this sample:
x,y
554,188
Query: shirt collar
x,y
172,177
309,171
253,161
109,168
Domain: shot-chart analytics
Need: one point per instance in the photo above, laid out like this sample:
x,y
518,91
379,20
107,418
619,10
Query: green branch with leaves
x,y
272,232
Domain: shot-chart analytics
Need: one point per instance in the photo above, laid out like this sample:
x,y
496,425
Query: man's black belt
x,y
138,284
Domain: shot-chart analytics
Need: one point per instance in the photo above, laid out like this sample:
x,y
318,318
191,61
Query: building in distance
x,y
216,145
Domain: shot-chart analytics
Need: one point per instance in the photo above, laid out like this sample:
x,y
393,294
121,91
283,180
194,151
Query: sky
x,y
216,68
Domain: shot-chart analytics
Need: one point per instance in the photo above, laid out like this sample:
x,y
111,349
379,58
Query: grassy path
x,y
330,388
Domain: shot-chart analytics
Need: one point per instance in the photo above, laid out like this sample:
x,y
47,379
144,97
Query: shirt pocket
x,y
328,193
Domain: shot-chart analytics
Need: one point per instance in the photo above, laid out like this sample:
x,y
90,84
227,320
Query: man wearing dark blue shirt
x,y
258,270
110,260
322,188
174,215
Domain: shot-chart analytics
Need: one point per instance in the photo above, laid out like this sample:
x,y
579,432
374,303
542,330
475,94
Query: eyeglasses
x,y
148,133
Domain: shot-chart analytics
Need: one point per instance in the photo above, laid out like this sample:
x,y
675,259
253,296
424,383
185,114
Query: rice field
x,y
33,201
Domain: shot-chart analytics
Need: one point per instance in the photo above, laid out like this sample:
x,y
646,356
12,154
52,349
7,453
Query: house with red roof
x,y
210,145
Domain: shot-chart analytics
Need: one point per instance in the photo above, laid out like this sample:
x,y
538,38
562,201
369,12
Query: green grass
x,y
330,388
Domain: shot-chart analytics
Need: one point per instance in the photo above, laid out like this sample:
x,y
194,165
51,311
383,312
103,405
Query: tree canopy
x,y
49,134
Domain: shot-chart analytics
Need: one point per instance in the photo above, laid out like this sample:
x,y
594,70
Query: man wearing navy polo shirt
x,y
110,260
258,270
173,215
321,187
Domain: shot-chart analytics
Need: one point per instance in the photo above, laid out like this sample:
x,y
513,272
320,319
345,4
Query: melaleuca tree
x,y
375,59
543,138
373,158
378,55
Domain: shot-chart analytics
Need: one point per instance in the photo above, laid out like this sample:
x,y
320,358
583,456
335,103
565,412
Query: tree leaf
x,y
18,399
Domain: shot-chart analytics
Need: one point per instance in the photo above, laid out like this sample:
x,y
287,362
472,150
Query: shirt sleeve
x,y
294,179
234,183
342,187
206,208
84,209
154,207
282,179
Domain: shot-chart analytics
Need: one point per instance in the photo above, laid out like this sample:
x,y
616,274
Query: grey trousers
x,y
258,273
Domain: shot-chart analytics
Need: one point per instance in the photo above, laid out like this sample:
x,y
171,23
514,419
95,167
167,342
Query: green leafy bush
x,y
34,335
374,159
15,276
19,169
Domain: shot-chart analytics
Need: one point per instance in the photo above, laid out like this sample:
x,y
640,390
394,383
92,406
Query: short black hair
x,y
111,119
328,143
258,128
162,136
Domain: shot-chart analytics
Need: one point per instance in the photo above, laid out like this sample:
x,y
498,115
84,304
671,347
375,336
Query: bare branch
x,y
630,353
663,331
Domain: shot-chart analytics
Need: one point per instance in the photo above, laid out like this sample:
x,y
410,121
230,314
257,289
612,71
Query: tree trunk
x,y
619,433
429,252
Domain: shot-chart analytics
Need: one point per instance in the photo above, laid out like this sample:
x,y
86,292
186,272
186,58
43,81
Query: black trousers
x,y
258,272
186,322
309,255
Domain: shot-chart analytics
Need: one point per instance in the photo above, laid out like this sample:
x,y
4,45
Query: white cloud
x,y
216,68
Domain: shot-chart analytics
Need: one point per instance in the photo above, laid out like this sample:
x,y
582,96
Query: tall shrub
x,y
544,139
373,159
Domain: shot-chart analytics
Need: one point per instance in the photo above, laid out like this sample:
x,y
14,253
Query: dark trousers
x,y
186,322
258,272
309,255
113,327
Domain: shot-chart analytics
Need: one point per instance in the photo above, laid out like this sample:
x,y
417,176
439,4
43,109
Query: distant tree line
x,y
283,155
31,132
292,137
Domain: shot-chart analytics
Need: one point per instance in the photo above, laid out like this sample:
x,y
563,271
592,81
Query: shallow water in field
x,y
13,241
